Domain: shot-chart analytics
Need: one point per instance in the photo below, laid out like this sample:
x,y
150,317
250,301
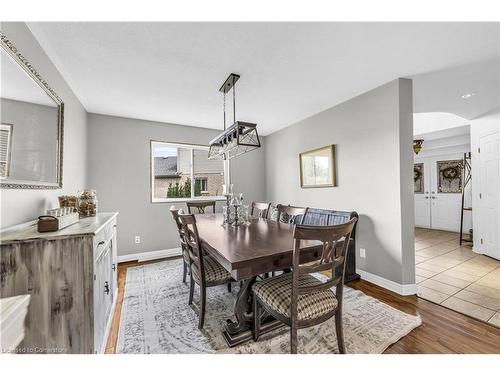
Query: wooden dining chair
x,y
184,248
288,214
205,270
300,300
200,206
260,209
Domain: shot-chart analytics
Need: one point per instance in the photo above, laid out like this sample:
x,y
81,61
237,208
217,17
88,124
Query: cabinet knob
x,y
113,267
106,287
100,243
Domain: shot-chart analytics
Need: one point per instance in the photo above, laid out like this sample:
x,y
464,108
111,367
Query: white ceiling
x,y
458,131
171,72
441,91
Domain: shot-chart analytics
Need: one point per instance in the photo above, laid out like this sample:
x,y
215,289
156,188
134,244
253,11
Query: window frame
x,y
202,180
190,147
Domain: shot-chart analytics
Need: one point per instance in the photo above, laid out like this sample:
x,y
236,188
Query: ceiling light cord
x,y
234,100
224,111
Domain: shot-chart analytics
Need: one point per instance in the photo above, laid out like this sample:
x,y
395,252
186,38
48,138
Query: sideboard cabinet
x,y
71,278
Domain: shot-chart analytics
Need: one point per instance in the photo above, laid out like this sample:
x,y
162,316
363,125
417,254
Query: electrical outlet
x,y
362,252
137,239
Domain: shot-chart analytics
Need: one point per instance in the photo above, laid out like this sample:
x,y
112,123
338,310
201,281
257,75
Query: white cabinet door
x,y
102,293
422,200
489,172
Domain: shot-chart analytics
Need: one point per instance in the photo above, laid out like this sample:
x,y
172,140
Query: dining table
x,y
250,251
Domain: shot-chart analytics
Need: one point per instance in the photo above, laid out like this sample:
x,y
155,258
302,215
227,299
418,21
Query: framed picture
x,y
449,174
418,178
317,168
5,149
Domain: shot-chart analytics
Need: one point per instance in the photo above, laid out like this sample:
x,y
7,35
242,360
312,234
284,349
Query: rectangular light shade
x,y
238,139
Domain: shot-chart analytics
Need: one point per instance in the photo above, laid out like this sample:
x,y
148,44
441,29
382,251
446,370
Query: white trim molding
x,y
150,255
401,289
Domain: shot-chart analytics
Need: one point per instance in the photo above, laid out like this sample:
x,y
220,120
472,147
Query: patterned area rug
x,y
156,318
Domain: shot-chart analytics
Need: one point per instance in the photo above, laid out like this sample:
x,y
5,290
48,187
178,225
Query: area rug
x,y
156,318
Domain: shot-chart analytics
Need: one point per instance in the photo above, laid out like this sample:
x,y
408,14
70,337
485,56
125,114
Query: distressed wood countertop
x,y
28,231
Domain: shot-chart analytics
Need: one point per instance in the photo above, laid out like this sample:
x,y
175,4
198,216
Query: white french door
x,y
433,209
422,200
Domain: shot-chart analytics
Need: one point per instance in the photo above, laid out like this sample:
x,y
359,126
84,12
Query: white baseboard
x,y
150,255
401,289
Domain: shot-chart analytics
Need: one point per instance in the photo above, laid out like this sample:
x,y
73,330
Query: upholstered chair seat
x,y
276,293
214,272
297,298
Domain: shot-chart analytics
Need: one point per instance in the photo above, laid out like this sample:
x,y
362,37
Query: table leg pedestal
x,y
238,331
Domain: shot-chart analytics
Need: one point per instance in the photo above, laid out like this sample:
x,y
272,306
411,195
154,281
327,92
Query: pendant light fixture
x,y
239,138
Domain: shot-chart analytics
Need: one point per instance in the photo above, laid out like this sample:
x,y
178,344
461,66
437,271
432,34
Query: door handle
x,y
106,287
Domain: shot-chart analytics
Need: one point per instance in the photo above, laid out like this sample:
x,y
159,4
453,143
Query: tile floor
x,y
456,277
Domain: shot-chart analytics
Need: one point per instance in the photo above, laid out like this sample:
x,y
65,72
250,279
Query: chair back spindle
x,y
188,222
289,214
260,209
335,242
200,206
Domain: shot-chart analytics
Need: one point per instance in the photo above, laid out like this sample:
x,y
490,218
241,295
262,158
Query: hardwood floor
x,y
442,330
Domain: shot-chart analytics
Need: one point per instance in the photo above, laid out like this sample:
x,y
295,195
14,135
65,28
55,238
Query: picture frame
x,y
318,168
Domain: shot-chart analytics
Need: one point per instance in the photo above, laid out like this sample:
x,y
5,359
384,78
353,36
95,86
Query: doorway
x,y
438,192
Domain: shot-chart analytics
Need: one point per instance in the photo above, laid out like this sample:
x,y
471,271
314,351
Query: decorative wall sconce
x,y
417,145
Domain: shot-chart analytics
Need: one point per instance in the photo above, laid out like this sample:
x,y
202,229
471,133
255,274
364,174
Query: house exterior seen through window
x,y
183,172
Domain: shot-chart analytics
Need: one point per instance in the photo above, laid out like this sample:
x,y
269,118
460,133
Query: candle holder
x,y
227,214
236,203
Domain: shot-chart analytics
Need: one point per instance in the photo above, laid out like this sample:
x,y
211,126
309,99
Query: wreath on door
x,y
417,173
451,173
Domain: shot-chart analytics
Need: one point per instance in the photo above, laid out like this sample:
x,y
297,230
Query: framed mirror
x,y
31,133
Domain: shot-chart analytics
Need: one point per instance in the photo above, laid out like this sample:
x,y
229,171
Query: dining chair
x,y
260,209
184,248
200,206
300,300
205,270
288,214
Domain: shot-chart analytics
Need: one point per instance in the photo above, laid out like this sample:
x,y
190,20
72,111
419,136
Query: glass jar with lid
x,y
87,203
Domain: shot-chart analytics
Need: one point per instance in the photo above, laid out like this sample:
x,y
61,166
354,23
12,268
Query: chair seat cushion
x,y
214,272
276,292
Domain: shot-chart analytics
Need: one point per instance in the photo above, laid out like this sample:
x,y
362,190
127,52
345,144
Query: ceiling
x,y
463,130
171,72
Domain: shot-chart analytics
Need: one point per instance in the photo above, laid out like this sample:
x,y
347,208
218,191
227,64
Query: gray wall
x,y
19,205
34,140
119,169
373,134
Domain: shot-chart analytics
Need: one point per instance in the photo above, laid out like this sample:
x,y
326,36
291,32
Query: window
x,y
201,185
182,172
